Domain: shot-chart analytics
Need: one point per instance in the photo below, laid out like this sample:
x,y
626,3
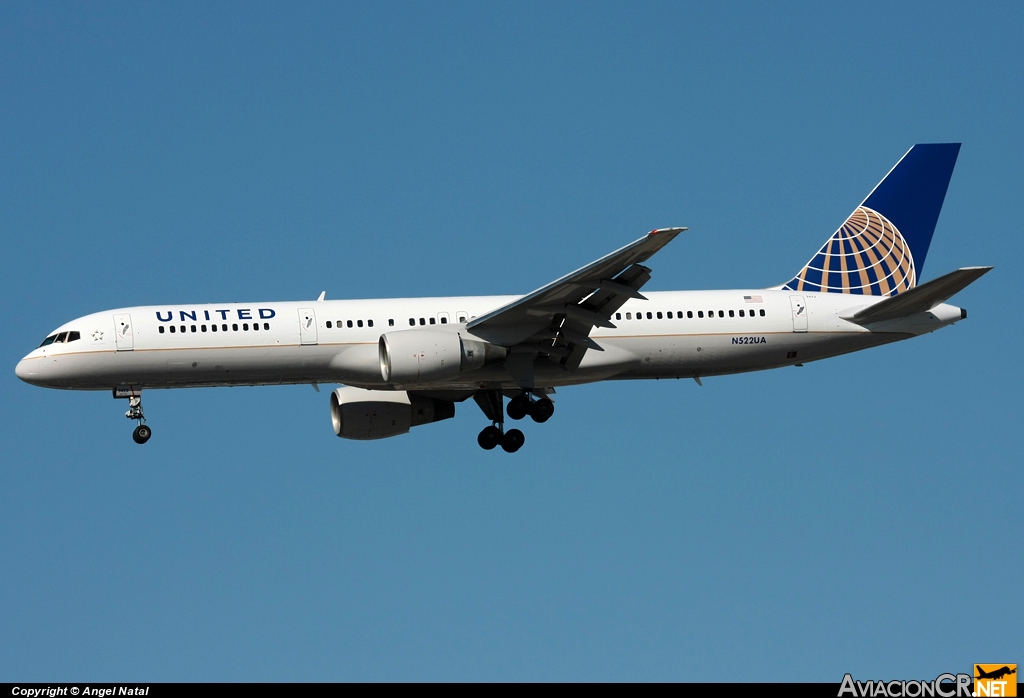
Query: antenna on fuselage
x,y
323,294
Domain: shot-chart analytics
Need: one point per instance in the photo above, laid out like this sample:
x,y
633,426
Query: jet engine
x,y
377,414
424,356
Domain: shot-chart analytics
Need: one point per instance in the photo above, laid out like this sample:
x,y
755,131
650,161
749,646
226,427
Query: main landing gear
x,y
510,441
540,410
490,401
142,432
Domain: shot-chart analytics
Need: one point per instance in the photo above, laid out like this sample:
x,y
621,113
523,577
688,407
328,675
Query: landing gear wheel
x,y
512,441
542,410
489,437
141,434
518,407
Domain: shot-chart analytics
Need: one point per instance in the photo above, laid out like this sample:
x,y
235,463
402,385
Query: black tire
x,y
542,410
489,438
141,434
518,407
512,441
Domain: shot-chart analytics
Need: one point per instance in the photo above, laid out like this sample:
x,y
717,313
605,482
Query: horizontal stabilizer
x,y
920,298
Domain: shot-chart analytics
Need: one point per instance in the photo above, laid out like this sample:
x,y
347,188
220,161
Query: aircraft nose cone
x,y
23,371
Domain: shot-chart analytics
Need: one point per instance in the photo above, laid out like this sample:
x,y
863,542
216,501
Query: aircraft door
x,y
307,326
123,332
799,313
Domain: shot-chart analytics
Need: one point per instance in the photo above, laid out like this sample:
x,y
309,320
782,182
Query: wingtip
x,y
667,231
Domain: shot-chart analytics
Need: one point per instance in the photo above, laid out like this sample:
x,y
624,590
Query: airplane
x,y
995,674
406,362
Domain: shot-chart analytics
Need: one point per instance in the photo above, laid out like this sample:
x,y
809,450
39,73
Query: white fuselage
x,y
663,337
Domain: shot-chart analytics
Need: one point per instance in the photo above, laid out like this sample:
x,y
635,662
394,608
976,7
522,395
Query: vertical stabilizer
x,y
881,248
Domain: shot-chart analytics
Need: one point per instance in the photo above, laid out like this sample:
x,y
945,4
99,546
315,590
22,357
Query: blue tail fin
x,y
881,248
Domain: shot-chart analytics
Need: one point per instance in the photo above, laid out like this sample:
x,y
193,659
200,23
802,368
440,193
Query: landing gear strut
x,y
142,432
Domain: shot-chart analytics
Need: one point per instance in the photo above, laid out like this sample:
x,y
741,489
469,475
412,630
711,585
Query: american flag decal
x,y
753,299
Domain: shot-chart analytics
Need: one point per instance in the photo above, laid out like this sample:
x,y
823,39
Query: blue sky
x,y
851,515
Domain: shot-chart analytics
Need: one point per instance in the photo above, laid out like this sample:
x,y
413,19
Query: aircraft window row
x,y
430,321
353,323
61,338
689,314
213,328
413,322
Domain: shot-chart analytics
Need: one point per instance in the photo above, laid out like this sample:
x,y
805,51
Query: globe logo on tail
x,y
867,256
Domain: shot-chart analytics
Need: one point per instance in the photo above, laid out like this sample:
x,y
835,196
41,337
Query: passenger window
x,y
391,322
160,329
659,316
762,312
732,314
649,317
412,322
348,323
369,323
721,313
184,329
359,323
245,326
213,328
689,313
193,328
422,321
234,327
700,313
266,325
224,327
172,329
669,314
203,328
618,316
741,312
329,324
432,321
444,321
256,326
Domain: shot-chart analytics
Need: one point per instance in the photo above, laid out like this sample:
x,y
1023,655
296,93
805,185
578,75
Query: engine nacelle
x,y
377,414
425,356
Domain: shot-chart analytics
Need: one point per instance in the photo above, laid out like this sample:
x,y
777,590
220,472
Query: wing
x,y
556,319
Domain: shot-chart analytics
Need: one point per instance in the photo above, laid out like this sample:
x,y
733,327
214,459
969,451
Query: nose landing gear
x,y
142,432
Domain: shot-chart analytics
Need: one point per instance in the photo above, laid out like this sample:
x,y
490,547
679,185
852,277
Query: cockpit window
x,y
61,338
